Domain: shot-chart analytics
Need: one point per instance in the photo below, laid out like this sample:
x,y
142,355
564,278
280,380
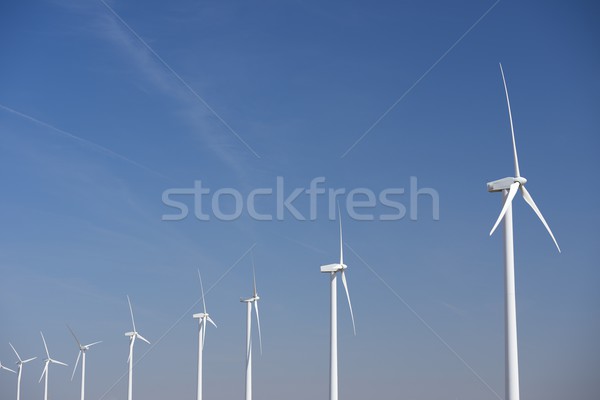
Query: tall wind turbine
x,y
509,187
82,350
332,270
132,336
49,360
202,319
20,370
249,301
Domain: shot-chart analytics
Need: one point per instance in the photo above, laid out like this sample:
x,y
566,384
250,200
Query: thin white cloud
x,y
85,142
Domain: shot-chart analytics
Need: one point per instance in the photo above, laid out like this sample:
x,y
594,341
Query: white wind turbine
x,y
49,360
82,350
132,336
249,301
509,187
202,319
332,270
20,369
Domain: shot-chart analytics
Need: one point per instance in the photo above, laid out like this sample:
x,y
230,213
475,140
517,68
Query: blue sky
x,y
95,127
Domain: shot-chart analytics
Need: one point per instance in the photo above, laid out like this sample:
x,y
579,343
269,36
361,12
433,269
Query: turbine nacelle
x,y
200,315
333,268
250,299
504,183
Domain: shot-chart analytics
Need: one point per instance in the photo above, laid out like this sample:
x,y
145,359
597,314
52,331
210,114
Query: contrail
x,y
83,141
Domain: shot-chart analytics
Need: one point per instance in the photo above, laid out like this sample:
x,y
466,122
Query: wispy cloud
x,y
167,81
85,142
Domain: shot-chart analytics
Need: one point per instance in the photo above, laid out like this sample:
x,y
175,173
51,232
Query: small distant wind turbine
x,y
202,319
132,336
332,270
249,301
49,360
82,350
20,369
509,187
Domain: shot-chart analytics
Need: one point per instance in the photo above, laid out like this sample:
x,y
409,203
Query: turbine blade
x,y
258,324
45,346
131,312
59,363
131,341
512,130
253,272
211,321
76,364
531,203
17,354
203,333
93,344
341,241
349,303
8,369
202,290
29,359
511,195
73,333
44,371
143,338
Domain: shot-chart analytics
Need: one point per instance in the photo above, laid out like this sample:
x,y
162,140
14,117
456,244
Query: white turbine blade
x,y
59,363
46,346
73,333
349,303
258,324
131,341
531,203
44,371
211,321
29,359
203,333
131,312
512,130
76,364
202,290
511,195
143,338
253,272
341,241
6,368
93,344
17,354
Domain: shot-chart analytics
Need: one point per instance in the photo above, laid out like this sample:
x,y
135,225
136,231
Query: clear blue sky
x,y
94,128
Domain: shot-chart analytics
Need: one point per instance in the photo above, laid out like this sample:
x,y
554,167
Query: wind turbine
x,y
249,301
332,270
509,187
49,360
20,370
82,350
132,336
202,318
